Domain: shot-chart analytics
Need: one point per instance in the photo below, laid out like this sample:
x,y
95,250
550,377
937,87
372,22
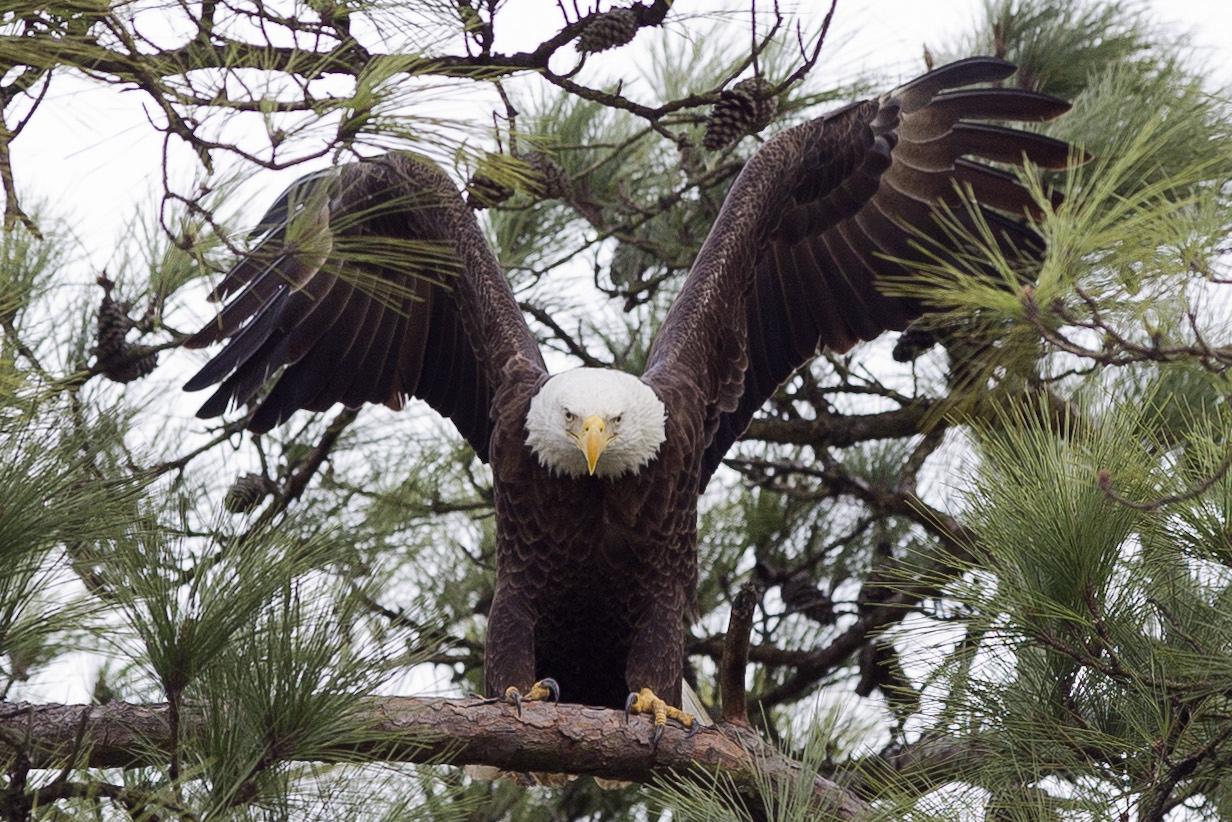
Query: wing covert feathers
x,y
828,212
370,282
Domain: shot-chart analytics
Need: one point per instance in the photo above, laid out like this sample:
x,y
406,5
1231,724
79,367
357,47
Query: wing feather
x,y
374,381
834,329
311,375
355,363
370,326
828,211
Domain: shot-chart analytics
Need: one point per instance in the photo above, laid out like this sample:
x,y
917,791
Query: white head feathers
x,y
626,410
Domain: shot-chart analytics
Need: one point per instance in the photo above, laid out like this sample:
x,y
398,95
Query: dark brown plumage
x,y
595,577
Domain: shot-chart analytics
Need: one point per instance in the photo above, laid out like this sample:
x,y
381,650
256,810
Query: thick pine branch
x,y
563,738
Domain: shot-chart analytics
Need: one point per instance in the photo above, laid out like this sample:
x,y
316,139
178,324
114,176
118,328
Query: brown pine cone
x,y
609,30
801,595
548,179
484,192
112,325
692,160
247,493
473,24
131,362
629,266
912,343
745,108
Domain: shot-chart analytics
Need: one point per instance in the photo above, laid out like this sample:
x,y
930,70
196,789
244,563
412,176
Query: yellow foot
x,y
544,689
645,702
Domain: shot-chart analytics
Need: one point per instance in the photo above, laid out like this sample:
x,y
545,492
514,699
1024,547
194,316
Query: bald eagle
x,y
597,473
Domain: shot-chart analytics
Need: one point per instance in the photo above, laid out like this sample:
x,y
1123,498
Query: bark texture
x,y
563,738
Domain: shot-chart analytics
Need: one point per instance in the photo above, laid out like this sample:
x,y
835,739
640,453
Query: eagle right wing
x,y
371,282
827,212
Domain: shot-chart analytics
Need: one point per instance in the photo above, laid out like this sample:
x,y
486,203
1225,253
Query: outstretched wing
x,y
818,218
371,282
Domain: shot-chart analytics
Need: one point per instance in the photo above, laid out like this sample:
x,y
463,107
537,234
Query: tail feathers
x,y
691,703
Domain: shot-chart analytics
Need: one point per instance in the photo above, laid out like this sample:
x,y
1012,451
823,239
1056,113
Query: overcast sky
x,y
91,155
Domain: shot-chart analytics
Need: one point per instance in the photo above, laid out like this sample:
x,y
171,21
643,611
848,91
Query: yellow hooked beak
x,y
592,439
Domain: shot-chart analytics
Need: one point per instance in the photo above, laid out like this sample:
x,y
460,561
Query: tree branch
x,y
557,738
736,654
842,430
926,764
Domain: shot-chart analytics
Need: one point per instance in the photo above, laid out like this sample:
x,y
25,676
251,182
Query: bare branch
x,y
736,654
546,737
1196,490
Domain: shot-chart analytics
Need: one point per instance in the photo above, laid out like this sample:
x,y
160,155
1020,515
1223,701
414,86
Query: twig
x,y
575,348
1196,490
809,60
299,479
736,654
13,213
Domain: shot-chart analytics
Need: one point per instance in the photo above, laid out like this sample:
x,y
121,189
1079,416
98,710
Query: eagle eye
x,y
616,419
570,416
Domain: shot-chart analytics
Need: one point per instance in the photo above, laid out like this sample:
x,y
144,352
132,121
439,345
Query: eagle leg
x,y
645,702
544,690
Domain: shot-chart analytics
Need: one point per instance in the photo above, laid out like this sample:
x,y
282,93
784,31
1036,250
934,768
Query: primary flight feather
x,y
372,282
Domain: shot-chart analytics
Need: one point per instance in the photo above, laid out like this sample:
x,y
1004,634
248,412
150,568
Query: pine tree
x,y
1000,564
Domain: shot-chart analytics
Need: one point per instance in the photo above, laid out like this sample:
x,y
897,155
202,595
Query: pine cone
x,y
103,692
608,31
801,595
247,493
550,180
473,24
629,266
131,362
692,160
882,670
912,343
484,192
112,325
745,108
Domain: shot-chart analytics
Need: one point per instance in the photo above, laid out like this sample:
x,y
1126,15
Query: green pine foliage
x,y
1015,548
1056,44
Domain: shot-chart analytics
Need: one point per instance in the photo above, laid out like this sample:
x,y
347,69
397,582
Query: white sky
x,y
90,154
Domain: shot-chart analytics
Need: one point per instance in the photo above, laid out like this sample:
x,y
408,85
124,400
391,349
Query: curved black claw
x,y
645,702
514,696
693,729
553,688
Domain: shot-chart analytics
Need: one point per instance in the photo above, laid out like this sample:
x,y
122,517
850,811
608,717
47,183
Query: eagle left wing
x,y
820,216
370,282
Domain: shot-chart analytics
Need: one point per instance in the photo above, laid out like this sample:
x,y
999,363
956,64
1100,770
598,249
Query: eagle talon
x,y
514,696
550,685
545,690
645,702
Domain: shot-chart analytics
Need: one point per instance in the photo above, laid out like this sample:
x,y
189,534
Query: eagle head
x,y
595,421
